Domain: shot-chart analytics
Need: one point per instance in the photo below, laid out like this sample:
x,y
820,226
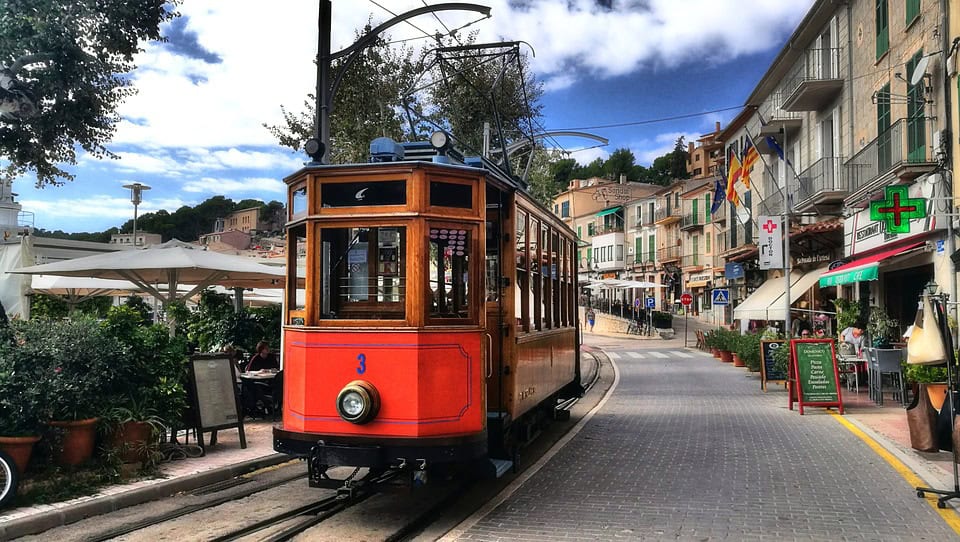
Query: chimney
x,y
690,147
623,178
718,126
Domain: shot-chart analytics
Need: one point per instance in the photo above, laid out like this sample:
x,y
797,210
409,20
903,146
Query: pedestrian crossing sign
x,y
721,296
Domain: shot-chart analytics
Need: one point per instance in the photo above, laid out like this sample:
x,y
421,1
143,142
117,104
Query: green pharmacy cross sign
x,y
897,209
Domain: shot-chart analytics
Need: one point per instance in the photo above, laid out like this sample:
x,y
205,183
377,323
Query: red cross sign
x,y
769,226
897,209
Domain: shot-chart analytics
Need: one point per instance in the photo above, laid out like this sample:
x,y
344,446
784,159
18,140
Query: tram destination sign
x,y
814,378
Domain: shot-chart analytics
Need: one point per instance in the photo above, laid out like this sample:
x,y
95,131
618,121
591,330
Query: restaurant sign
x,y
869,272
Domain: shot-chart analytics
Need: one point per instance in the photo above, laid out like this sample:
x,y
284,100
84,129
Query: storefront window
x,y
449,272
363,273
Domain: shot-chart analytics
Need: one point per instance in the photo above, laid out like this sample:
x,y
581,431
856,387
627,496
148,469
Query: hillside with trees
x,y
186,223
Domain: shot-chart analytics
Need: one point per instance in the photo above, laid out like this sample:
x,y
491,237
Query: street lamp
x,y
136,189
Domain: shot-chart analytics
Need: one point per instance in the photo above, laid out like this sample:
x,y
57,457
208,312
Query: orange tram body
x,y
430,314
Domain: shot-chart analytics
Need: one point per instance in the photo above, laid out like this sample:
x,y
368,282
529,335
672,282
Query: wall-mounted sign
x,y
862,234
897,208
733,270
813,258
836,263
770,242
618,193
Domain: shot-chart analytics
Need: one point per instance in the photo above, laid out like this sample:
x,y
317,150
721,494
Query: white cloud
x,y
586,155
211,185
647,151
50,211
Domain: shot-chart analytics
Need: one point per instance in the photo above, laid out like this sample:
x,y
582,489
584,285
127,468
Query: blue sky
x,y
194,130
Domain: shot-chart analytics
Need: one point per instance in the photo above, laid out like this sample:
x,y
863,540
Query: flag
x,y
750,157
732,177
719,194
772,143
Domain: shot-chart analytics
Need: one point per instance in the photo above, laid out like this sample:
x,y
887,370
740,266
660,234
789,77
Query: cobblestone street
x,y
688,448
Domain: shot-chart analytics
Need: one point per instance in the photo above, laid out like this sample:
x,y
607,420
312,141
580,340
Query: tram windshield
x,y
363,275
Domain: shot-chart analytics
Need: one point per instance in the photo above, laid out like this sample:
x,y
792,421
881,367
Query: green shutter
x,y
696,253
590,256
696,213
706,206
916,138
707,237
579,232
638,249
651,241
884,158
883,28
913,10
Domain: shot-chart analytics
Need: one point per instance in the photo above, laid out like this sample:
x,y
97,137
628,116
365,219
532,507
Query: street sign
x,y
686,300
651,303
636,302
770,242
721,296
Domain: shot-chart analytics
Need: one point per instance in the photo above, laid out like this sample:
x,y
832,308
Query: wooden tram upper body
x,y
436,307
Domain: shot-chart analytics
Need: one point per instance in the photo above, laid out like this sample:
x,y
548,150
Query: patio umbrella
x,y
171,263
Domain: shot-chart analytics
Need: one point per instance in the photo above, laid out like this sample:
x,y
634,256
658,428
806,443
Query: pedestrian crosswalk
x,y
655,354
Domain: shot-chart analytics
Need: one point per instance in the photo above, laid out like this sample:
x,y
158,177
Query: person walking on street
x,y
591,318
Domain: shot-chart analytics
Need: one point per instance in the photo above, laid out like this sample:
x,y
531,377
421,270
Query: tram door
x,y
493,294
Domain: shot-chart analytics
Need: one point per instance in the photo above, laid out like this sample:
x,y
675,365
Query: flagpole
x,y
786,245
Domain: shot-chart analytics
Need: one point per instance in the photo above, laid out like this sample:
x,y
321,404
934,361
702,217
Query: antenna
x,y
919,71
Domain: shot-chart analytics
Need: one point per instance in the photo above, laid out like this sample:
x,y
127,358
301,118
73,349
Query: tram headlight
x,y
358,402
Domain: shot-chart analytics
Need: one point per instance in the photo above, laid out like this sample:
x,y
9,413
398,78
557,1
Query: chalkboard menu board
x,y
814,374
768,372
214,395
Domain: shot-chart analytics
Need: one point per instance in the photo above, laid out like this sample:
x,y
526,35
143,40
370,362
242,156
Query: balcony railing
x,y
693,220
694,260
647,259
891,150
814,81
825,181
602,230
777,117
666,212
667,254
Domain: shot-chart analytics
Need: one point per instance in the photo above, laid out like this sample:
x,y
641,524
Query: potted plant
x,y
20,401
134,430
933,378
736,349
725,343
75,361
881,328
750,351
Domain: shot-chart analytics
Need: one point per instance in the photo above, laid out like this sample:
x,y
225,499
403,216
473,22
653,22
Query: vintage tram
x,y
434,319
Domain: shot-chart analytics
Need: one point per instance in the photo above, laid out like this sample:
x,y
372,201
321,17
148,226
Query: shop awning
x,y
777,311
755,306
864,268
697,283
610,211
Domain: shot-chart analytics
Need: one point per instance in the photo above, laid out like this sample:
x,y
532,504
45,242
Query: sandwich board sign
x,y
813,374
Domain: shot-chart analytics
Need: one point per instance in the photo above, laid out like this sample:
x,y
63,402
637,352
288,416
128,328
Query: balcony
x,y
777,119
646,261
668,254
667,213
690,221
815,82
720,217
694,261
889,158
604,229
823,183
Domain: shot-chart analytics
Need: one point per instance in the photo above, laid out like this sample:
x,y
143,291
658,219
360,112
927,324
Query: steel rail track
x,y
163,518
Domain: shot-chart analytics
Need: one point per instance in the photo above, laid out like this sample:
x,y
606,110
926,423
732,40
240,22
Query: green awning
x,y
606,212
870,272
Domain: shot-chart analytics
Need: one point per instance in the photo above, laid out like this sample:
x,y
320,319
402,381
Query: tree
x,y
562,171
621,162
366,106
69,61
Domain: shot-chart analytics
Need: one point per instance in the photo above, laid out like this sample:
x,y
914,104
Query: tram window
x,y
363,194
545,297
298,201
449,273
363,273
521,308
536,308
296,260
493,262
451,195
555,275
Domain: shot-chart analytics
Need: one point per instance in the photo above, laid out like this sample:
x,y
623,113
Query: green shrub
x,y
925,373
748,348
662,320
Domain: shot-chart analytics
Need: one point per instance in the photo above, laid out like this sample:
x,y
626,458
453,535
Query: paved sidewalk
x,y
691,449
223,461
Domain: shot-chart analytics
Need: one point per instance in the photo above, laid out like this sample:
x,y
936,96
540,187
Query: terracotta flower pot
x,y
737,362
131,439
726,356
715,352
78,439
19,449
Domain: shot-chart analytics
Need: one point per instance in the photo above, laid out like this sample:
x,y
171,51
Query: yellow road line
x,y
949,515
271,468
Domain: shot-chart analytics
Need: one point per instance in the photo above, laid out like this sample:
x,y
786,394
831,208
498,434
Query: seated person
x,y
854,336
262,359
